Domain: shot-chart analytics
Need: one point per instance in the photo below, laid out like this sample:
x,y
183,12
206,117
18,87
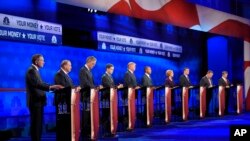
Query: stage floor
x,y
213,128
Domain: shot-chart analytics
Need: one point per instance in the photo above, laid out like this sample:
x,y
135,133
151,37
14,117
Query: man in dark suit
x,y
146,79
62,76
185,82
62,122
86,77
107,79
107,82
130,82
36,98
146,82
129,78
86,83
184,78
223,81
206,81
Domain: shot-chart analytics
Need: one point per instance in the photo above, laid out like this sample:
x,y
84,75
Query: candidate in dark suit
x,y
129,81
146,82
206,81
184,78
36,98
86,83
63,123
146,79
62,77
129,78
107,79
107,83
223,81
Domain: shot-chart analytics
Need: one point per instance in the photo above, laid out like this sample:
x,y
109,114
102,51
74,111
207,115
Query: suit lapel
x,y
68,79
37,73
90,75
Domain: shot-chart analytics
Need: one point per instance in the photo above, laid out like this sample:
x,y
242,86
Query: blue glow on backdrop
x,y
218,56
16,58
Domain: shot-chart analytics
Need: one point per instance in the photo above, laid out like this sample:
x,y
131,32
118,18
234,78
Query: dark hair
x,y
224,72
146,67
35,57
209,71
186,68
109,66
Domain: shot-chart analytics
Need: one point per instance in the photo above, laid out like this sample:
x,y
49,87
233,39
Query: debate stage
x,y
210,128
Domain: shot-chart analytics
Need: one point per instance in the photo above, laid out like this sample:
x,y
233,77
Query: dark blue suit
x,y
36,99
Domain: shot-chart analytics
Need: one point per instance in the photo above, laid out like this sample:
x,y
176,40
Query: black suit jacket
x,y
35,88
204,82
169,83
86,83
146,81
107,81
184,82
223,83
86,78
129,79
62,79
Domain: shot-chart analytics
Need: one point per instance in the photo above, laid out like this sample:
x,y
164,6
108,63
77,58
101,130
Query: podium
x,y
185,110
168,104
221,99
203,92
205,98
113,111
150,105
90,111
94,113
239,90
75,115
110,94
67,102
239,98
131,108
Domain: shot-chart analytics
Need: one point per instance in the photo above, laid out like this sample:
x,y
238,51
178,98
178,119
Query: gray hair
x,y
64,62
90,59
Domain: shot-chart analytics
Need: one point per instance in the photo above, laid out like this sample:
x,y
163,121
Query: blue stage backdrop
x,y
15,57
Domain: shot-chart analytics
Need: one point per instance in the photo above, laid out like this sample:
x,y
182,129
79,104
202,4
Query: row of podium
x,y
71,119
